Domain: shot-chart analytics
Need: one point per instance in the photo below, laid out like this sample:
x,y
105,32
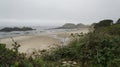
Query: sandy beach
x,y
41,41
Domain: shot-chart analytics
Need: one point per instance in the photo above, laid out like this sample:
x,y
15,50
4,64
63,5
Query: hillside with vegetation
x,y
98,48
72,26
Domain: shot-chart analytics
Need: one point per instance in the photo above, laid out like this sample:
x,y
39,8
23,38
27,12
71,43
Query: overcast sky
x,y
57,12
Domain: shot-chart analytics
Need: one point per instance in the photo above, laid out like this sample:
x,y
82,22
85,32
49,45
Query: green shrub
x,y
12,58
111,30
103,23
100,50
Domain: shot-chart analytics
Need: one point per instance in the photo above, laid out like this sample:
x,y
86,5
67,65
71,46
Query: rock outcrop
x,y
72,26
9,29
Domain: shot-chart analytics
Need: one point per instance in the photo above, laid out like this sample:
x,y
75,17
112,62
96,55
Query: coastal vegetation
x,y
96,49
99,48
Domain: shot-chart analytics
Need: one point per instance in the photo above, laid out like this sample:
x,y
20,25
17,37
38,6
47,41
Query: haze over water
x,y
56,12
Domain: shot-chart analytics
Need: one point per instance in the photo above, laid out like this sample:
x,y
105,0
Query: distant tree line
x,y
105,23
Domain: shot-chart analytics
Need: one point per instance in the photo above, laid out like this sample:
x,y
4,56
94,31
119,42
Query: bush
x,y
12,58
100,50
103,23
110,30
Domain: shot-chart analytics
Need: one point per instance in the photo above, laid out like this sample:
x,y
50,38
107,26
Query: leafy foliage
x,y
118,21
103,23
12,58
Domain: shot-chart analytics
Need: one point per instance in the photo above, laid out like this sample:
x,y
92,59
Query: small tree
x,y
118,21
103,23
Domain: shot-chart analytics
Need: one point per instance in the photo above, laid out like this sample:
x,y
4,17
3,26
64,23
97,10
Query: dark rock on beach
x,y
9,29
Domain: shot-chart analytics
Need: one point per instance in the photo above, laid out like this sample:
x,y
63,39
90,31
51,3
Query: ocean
x,y
39,30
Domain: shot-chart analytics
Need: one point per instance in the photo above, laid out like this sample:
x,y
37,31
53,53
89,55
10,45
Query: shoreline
x,y
40,41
